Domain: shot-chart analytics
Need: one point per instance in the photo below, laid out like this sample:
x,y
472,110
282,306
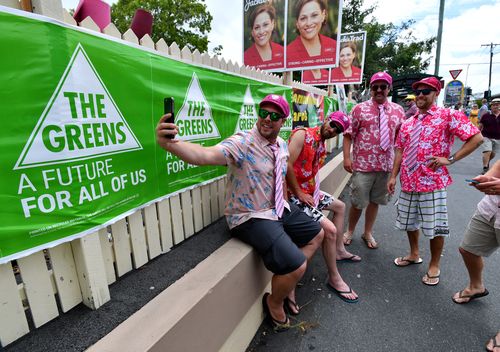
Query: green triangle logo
x,y
80,121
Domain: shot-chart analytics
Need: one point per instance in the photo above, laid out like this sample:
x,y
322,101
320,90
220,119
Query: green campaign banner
x,y
79,114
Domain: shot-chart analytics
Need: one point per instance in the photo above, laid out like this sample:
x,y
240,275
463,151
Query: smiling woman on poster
x,y
310,47
264,53
347,71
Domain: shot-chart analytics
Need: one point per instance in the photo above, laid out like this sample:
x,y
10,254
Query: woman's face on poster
x,y
262,29
310,20
346,57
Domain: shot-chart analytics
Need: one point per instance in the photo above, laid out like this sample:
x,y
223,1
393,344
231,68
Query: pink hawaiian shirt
x,y
367,156
250,176
439,127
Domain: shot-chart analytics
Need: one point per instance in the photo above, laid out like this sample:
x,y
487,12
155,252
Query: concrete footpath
x,y
396,312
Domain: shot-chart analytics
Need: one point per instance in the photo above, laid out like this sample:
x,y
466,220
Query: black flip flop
x,y
341,293
470,297
278,326
288,303
350,259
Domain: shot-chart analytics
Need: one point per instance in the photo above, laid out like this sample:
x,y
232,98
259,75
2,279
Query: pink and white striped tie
x,y
414,141
384,129
317,192
279,201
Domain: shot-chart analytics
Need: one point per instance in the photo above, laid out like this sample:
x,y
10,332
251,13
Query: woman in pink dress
x,y
346,72
264,53
310,48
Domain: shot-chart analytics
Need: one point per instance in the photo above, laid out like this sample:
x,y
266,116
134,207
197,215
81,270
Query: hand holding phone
x,y
169,108
472,181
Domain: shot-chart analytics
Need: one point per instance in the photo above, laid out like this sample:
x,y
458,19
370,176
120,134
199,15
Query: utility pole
x,y
440,34
491,45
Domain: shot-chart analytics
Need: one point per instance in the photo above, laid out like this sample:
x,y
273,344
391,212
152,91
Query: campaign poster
x,y
313,30
307,108
316,76
351,59
263,34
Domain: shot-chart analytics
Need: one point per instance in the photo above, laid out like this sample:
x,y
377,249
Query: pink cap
x,y
142,23
340,119
279,102
98,10
432,82
381,76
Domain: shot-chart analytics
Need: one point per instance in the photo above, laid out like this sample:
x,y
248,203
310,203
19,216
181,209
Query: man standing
x,y
483,109
482,239
307,155
375,123
423,148
490,128
411,107
256,210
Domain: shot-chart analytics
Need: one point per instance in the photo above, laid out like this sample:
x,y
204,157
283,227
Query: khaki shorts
x,y
481,237
490,145
369,187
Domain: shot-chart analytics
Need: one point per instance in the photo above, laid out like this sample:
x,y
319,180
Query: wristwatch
x,y
451,159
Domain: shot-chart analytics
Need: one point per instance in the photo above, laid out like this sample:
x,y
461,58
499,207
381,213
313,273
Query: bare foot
x,y
493,344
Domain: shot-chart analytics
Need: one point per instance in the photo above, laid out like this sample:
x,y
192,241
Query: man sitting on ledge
x,y
256,210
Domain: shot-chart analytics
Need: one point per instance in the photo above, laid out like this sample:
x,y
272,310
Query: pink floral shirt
x,y
250,176
367,156
439,127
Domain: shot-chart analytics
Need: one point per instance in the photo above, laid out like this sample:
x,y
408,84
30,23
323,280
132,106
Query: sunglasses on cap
x,y
375,87
274,116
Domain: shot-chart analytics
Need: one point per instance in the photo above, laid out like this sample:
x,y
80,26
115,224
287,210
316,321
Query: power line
x,y
468,63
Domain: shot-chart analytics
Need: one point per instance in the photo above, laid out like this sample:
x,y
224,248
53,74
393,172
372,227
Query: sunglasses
x,y
336,127
274,116
425,91
375,87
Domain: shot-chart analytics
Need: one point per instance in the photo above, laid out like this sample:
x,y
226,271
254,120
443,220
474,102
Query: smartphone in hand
x,y
472,181
169,108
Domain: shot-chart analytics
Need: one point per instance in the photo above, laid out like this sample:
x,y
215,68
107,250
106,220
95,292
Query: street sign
x,y
454,73
453,93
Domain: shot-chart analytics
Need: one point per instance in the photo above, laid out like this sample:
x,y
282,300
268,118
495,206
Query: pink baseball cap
x,y
279,102
432,82
142,23
340,120
98,10
381,76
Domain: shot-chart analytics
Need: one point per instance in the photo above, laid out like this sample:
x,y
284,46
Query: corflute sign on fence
x,y
77,138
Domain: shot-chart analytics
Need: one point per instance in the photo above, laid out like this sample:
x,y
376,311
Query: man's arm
x,y
191,153
346,151
398,157
468,147
295,148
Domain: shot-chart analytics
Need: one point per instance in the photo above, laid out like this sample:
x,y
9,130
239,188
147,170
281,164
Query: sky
x,y
467,25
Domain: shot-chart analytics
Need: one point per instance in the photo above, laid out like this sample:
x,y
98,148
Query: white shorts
x,y
426,211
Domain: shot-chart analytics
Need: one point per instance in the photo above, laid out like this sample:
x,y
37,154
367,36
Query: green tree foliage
x,y
389,47
186,22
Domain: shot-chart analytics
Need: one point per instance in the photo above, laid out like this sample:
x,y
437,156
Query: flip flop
x,y
341,293
402,261
347,238
288,304
495,342
370,242
470,297
278,326
427,277
352,259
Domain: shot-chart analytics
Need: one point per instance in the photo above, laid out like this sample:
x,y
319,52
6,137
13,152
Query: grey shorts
x,y
490,145
481,237
369,187
314,213
427,211
278,241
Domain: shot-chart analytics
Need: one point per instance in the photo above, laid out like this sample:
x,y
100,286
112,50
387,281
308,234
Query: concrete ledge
x,y
214,307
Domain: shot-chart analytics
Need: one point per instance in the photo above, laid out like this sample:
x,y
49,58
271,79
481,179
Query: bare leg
x,y
474,265
413,239
338,209
486,158
354,215
370,217
436,245
329,253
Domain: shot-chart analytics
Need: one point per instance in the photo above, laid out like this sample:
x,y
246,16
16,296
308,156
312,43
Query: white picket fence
x,y
37,288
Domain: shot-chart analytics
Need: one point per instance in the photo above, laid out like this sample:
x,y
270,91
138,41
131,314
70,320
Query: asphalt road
x,y
396,312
